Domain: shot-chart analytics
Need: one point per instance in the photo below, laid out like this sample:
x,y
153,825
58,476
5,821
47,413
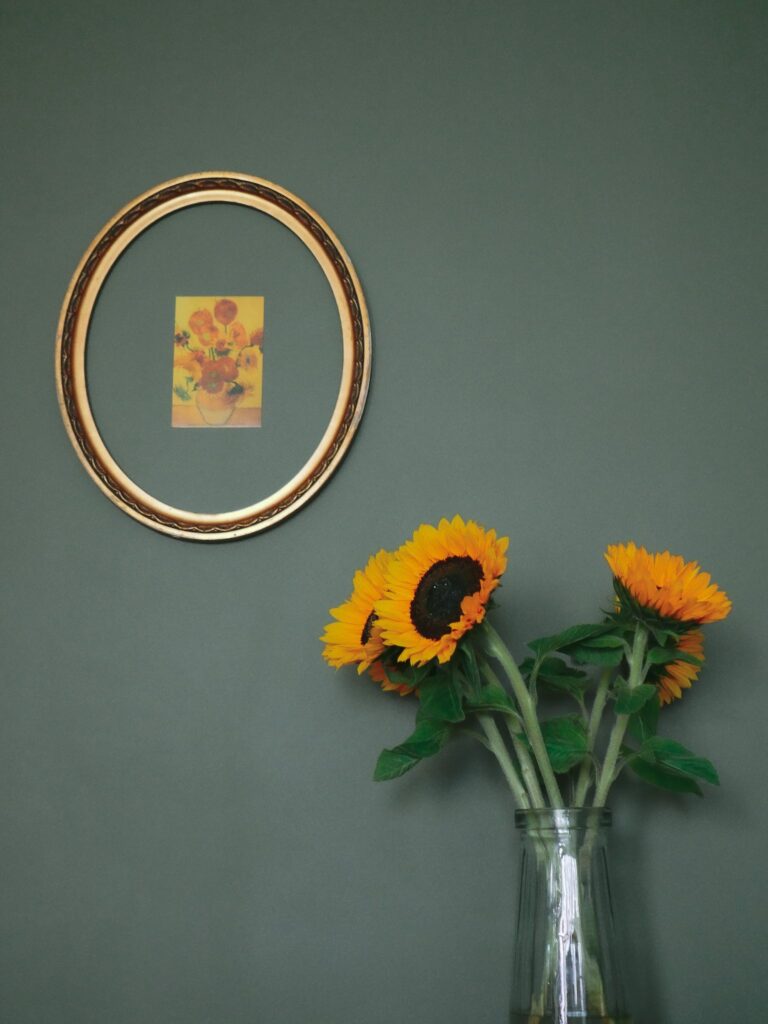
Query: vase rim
x,y
557,818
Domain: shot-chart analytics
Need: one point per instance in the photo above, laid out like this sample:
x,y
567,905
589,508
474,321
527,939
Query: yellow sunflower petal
x,y
676,676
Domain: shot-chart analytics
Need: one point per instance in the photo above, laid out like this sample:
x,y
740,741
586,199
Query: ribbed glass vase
x,y
567,967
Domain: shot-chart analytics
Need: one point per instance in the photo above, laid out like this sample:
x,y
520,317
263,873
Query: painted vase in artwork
x,y
216,409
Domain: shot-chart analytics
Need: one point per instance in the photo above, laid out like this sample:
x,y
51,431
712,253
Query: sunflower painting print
x,y
218,362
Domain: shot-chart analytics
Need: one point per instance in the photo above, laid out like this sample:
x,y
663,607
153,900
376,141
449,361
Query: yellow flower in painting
x,y
238,335
189,361
355,638
668,585
225,311
210,337
438,586
676,676
201,321
249,365
249,358
217,373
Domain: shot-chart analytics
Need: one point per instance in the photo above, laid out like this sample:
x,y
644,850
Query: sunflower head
x,y
437,588
666,586
354,638
674,677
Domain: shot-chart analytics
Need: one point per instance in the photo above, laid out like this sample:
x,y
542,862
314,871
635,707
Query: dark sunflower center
x,y
365,636
442,588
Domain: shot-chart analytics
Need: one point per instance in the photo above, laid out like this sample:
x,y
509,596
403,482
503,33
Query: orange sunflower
x,y
188,360
238,335
355,637
225,311
668,585
674,677
201,321
438,586
379,674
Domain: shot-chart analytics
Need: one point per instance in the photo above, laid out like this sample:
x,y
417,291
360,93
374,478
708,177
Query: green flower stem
x,y
607,772
527,767
498,748
595,718
498,649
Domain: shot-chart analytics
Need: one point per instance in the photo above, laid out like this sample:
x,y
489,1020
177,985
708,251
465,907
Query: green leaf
x,y
526,667
554,673
183,395
411,675
675,756
663,655
572,635
644,722
492,697
607,640
690,658
392,764
663,777
398,676
566,741
427,739
564,685
440,699
699,768
551,667
597,655
661,635
631,699
421,672
473,670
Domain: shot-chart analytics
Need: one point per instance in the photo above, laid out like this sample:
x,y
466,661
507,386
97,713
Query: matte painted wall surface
x,y
558,212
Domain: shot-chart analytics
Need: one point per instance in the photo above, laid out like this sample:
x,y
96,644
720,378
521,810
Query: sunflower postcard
x,y
218,361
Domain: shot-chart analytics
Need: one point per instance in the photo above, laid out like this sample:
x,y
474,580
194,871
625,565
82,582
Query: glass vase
x,y
566,966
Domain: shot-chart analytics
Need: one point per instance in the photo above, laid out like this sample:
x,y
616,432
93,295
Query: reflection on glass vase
x,y
566,967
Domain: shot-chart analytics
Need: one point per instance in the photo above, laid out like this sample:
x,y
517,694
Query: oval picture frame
x,y
72,339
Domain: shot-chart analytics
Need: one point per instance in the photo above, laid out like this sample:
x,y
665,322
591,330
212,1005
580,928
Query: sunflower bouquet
x,y
416,623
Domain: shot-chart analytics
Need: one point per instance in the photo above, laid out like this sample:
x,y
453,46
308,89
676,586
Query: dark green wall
x,y
558,211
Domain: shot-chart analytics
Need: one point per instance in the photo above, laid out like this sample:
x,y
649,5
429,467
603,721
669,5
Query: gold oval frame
x,y
72,337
